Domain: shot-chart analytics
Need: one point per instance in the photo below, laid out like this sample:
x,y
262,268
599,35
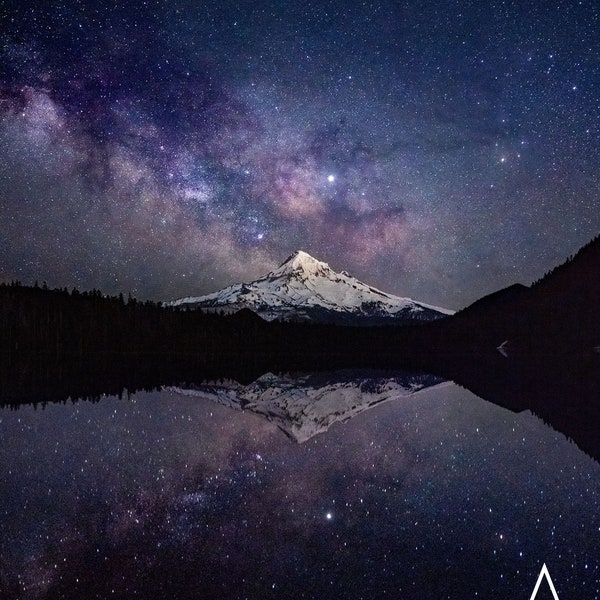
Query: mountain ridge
x,y
303,288
556,313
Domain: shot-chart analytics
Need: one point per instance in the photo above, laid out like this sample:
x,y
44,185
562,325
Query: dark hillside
x,y
558,314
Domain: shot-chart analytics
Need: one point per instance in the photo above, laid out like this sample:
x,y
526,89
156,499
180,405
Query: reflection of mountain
x,y
563,390
306,405
306,289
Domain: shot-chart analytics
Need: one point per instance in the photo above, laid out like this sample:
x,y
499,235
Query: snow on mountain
x,y
304,288
305,406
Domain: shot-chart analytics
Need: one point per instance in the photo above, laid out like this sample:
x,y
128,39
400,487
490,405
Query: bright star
x,y
329,516
331,178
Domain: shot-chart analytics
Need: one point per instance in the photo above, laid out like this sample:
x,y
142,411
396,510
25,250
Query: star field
x,y
440,496
439,150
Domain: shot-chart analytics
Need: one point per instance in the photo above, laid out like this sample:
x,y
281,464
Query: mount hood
x,y
303,288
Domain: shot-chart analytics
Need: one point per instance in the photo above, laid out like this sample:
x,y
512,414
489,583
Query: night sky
x,y
438,150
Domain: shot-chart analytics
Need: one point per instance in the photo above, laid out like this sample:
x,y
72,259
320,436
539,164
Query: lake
x,y
341,485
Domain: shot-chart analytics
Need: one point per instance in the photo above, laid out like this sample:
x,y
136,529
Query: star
x,y
167,149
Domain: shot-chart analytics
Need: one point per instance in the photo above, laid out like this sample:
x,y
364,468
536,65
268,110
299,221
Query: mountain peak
x,y
304,288
299,257
302,261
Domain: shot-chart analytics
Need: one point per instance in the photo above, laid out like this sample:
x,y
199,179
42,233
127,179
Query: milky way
x,y
439,150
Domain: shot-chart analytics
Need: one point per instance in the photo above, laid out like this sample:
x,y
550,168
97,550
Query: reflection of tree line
x,y
563,390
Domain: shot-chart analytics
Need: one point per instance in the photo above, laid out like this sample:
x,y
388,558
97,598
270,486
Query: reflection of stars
x,y
225,515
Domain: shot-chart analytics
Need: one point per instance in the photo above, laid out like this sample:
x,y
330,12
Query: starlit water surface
x,y
437,495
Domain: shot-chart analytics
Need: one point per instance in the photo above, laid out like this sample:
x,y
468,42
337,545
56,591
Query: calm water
x,y
181,494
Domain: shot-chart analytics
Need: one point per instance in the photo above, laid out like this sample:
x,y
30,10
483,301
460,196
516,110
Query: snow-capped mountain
x,y
307,405
306,289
